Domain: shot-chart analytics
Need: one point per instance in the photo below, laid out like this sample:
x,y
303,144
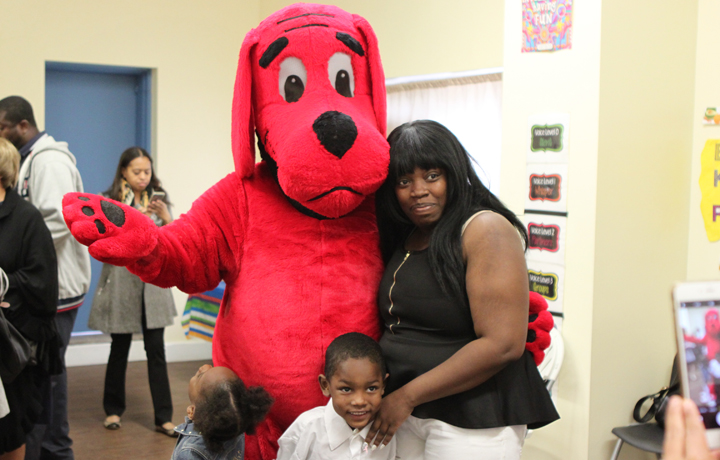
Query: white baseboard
x,y
97,353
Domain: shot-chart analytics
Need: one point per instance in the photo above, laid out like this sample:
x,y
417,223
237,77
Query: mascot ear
x,y
377,76
243,123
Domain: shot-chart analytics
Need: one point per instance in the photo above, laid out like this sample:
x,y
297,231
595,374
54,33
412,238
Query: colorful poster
x,y
546,187
547,280
546,238
547,25
709,179
711,116
548,135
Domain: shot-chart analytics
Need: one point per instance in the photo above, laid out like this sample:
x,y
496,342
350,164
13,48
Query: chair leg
x,y
616,452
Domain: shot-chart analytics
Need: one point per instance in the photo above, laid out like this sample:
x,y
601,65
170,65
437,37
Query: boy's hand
x,y
394,410
685,433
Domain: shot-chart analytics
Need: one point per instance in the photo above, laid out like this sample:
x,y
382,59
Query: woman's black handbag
x,y
16,352
658,401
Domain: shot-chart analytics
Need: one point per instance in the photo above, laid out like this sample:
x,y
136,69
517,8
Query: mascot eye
x,y
294,88
292,79
341,75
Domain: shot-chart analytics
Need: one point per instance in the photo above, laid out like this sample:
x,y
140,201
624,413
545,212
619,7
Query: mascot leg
x,y
263,444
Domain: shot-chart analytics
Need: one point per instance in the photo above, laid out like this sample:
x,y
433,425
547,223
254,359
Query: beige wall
x,y
192,45
628,87
428,36
703,256
566,82
644,152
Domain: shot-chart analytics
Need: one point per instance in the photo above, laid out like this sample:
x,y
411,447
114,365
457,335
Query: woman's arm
x,y
497,288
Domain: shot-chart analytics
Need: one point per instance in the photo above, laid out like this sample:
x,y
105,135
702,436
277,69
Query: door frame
x,y
144,96
144,116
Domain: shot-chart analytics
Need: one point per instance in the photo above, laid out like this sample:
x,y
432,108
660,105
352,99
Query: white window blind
x,y
468,103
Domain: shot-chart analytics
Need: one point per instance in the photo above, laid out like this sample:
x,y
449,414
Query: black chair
x,y
644,436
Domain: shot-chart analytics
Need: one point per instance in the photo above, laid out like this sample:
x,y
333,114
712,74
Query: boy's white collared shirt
x,y
321,434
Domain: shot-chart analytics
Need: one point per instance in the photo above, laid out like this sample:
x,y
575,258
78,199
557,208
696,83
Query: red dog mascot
x,y
711,341
294,236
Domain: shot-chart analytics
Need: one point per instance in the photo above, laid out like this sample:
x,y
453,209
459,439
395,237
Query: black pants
x,y
51,441
114,396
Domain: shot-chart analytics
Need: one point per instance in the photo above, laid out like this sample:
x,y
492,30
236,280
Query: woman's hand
x,y
394,410
685,433
160,209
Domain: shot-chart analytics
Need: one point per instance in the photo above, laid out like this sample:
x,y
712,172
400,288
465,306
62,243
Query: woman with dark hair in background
x,y
124,305
29,291
454,300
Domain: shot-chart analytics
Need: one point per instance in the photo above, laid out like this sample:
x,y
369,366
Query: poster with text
x,y
546,238
546,187
548,135
709,179
547,280
547,25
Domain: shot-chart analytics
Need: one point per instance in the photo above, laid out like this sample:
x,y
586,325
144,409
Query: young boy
x,y
355,381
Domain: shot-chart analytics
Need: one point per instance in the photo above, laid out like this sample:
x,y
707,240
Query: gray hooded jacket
x,y
48,173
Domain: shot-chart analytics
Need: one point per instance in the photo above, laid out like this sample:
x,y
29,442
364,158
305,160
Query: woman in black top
x,y
454,300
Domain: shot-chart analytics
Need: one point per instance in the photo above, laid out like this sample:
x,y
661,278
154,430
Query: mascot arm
x,y
693,339
201,247
193,253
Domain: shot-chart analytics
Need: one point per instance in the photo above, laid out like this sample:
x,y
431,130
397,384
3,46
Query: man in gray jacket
x,y
47,172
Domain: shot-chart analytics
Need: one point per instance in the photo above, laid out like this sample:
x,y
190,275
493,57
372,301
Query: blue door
x,y
99,111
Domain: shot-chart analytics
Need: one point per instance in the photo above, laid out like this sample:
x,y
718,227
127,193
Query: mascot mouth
x,y
272,164
335,189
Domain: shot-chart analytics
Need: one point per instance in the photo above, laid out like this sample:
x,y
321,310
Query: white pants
x,y
430,439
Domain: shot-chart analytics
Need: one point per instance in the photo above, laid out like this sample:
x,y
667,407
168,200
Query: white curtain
x,y
470,106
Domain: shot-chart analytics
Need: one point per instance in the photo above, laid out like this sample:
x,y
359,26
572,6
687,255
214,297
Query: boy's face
x,y
356,389
205,379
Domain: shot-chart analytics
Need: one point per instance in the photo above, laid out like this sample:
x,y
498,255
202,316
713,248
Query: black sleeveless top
x,y
423,328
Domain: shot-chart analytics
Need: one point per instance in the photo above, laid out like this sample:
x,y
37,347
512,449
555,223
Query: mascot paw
x,y
540,322
114,232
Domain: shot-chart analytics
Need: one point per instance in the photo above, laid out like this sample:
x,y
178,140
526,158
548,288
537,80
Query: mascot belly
x,y
307,287
294,237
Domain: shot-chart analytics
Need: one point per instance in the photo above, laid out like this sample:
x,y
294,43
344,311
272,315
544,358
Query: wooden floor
x,y
136,439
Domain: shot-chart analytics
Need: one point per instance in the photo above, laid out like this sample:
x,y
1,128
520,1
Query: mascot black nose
x,y
336,132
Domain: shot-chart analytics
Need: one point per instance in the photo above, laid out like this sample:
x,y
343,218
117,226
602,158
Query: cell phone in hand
x,y
157,195
697,327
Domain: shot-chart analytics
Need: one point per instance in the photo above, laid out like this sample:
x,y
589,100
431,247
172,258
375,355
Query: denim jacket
x,y
190,445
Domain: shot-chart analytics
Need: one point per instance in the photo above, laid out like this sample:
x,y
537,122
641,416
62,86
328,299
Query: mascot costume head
x,y
712,323
310,83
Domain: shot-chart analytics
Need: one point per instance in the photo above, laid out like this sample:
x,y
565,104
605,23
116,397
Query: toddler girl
x,y
221,411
